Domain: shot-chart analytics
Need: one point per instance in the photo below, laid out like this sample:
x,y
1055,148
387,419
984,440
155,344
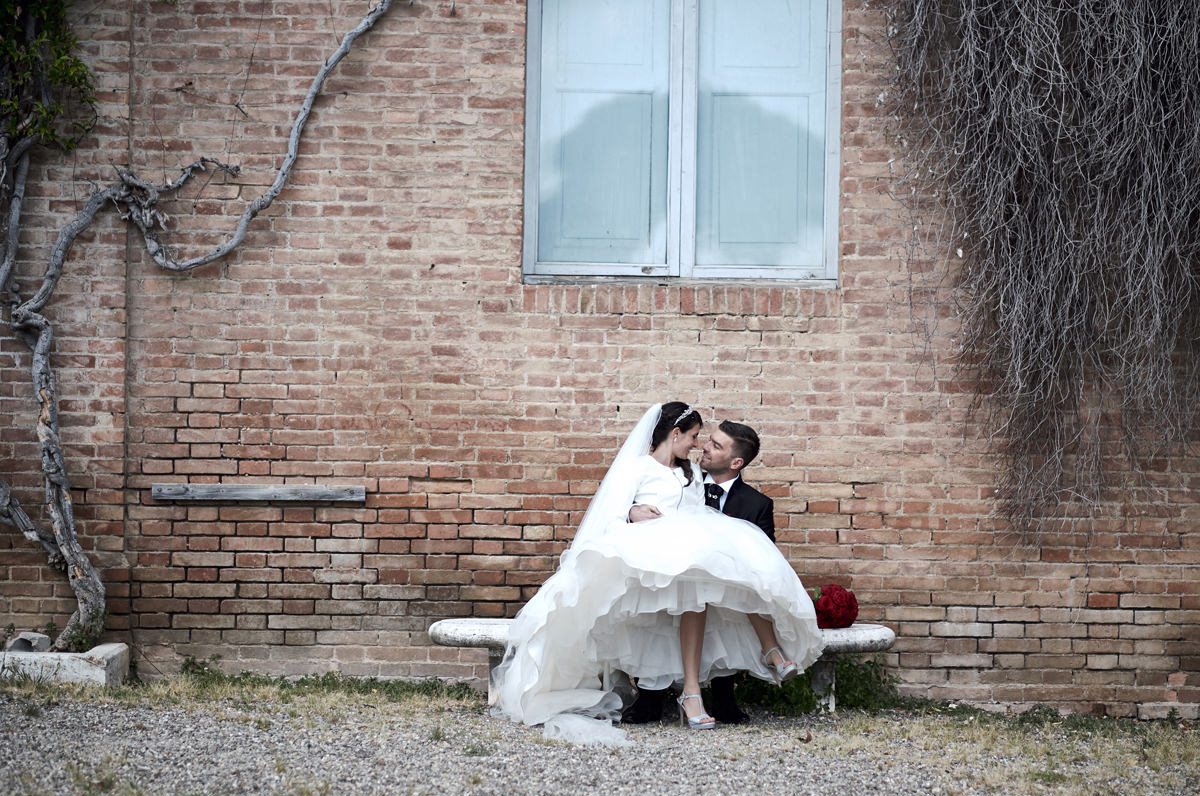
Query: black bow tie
x,y
712,495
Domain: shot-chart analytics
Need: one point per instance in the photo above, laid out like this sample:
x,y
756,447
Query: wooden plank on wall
x,y
308,493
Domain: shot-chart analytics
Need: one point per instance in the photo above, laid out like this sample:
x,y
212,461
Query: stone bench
x,y
492,634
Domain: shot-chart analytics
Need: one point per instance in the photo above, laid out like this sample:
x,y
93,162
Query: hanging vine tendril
x,y
1055,145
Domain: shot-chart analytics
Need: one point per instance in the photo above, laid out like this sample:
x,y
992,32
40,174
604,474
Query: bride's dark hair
x,y
676,414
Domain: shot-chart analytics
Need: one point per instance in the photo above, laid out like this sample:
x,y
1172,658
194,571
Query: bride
x,y
684,597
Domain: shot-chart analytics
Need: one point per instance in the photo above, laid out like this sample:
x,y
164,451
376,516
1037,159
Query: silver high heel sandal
x,y
781,673
701,722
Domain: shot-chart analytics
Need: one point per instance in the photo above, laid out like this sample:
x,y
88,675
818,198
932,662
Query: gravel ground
x,y
59,747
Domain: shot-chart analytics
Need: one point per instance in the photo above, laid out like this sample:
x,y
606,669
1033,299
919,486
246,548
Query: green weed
x,y
208,677
861,683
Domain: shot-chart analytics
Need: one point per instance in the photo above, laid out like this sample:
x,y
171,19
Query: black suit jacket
x,y
747,503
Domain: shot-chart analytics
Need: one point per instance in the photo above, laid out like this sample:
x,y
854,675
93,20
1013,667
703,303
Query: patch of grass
x,y
260,699
28,784
207,678
1039,716
389,690
968,748
864,683
21,680
1038,752
100,779
88,781
310,789
542,740
1048,777
861,683
794,697
39,692
477,750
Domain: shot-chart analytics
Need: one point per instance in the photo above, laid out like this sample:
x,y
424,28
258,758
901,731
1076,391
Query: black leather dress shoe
x,y
647,708
727,713
724,707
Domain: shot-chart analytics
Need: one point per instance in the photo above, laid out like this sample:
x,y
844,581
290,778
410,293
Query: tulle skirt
x,y
614,606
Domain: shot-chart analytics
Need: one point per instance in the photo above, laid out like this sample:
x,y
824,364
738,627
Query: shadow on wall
x,y
604,195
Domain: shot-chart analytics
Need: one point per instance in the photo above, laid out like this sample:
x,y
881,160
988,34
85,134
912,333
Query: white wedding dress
x,y
614,603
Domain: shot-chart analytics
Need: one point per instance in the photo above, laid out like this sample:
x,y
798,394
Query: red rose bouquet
x,y
836,607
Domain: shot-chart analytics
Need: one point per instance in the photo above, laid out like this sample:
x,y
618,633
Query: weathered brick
x,y
375,330
975,629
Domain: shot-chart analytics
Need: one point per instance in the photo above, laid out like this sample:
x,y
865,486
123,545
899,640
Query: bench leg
x,y
494,658
824,672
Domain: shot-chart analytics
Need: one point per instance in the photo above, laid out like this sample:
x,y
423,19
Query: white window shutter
x,y
760,137
602,183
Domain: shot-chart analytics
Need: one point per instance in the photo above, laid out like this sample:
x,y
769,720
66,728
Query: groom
x,y
726,453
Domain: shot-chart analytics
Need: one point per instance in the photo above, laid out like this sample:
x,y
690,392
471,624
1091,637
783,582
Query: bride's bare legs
x,y
765,631
691,643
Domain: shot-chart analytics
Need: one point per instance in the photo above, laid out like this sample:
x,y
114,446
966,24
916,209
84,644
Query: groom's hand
x,y
643,511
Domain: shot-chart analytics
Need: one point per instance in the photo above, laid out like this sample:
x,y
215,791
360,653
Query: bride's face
x,y
684,442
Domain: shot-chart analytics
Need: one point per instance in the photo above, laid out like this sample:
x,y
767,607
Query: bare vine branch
x,y
15,195
12,514
140,204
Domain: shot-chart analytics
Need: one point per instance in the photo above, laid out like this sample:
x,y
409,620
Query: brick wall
x,y
374,330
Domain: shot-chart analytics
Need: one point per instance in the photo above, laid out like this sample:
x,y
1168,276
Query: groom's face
x,y
718,453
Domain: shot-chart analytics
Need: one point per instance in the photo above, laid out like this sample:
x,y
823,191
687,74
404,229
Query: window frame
x,y
682,131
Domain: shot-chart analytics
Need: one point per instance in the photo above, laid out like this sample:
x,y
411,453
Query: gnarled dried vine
x,y
40,77
31,81
1061,140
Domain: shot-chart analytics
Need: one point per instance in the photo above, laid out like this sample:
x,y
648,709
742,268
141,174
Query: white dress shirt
x,y
725,487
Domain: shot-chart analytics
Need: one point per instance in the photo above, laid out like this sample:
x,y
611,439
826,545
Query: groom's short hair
x,y
745,440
